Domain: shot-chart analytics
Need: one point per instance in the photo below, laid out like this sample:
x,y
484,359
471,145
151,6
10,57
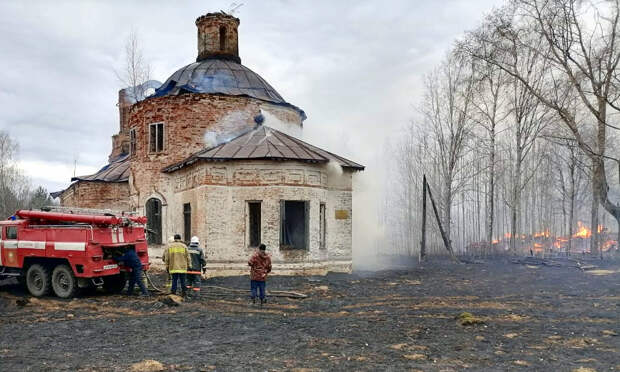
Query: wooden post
x,y
446,241
423,242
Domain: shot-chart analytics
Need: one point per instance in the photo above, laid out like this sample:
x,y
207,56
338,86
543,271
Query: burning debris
x,y
544,243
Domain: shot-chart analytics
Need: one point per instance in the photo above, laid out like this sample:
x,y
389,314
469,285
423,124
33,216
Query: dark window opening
x,y
222,38
153,224
254,223
294,224
132,142
187,221
156,139
11,233
322,225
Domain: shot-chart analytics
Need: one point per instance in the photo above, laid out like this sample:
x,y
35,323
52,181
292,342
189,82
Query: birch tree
x,y
578,41
446,108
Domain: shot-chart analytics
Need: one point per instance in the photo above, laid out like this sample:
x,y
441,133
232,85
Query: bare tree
x,y
446,108
136,70
489,112
14,186
578,41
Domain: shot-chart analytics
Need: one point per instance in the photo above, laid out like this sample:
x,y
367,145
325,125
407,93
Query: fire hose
x,y
288,294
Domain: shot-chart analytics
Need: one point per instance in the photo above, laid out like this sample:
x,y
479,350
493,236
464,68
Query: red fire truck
x,y
64,249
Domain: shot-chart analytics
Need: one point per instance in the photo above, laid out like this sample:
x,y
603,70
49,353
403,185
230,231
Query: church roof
x,y
221,76
116,171
265,143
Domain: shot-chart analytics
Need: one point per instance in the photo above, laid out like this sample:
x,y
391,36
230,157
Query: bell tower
x,y
217,37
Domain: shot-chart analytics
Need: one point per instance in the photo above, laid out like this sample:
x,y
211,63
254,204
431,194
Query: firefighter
x,y
260,266
198,263
131,260
168,276
177,261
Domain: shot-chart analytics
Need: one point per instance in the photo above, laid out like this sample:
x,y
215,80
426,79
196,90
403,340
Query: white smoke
x,y
272,121
334,169
210,139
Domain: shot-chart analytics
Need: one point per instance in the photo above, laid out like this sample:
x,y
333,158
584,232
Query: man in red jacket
x,y
260,266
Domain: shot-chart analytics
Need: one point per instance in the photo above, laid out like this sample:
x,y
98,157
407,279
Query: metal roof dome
x,y
221,76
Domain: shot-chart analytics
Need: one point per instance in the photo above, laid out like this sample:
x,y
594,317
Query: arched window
x,y
153,215
222,38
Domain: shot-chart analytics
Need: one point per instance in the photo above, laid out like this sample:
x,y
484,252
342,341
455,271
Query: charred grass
x,y
439,316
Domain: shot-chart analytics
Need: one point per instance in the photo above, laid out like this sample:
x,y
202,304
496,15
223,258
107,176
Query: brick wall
x,y
100,195
187,118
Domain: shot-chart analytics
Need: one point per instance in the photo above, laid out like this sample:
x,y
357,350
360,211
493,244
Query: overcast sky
x,y
355,67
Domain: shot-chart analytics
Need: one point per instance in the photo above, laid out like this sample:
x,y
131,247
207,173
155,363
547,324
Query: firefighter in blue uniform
x,y
131,260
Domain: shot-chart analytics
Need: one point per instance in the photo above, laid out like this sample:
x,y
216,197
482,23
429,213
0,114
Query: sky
x,y
355,67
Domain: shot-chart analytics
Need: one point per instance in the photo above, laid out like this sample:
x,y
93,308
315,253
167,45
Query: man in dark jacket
x,y
197,264
260,266
131,260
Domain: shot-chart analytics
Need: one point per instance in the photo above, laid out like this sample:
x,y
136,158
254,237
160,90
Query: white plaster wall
x,y
219,192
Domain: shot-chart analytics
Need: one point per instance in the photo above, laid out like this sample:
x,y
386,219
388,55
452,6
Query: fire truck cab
x,y
62,249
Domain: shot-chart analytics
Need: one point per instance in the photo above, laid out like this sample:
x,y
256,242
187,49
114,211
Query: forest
x,y
517,135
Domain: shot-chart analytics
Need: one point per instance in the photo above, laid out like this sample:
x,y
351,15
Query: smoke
x,y
334,169
210,139
368,228
274,122
228,128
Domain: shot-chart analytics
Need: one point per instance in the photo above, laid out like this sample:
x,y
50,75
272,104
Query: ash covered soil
x,y
524,318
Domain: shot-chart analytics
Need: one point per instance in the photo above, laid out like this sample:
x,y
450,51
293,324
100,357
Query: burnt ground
x,y
532,318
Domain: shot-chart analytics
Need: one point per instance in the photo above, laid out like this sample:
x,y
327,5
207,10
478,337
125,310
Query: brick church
x,y
215,151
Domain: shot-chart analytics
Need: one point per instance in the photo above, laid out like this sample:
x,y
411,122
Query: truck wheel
x,y
64,282
114,283
38,280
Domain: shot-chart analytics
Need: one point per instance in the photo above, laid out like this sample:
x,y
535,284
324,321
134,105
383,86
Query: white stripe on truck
x,y
30,245
70,246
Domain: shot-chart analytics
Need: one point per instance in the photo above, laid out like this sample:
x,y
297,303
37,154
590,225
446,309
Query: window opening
x,y
322,226
187,221
254,215
132,141
222,38
153,224
11,233
294,224
156,141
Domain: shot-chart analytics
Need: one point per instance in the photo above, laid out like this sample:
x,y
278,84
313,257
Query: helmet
x,y
195,239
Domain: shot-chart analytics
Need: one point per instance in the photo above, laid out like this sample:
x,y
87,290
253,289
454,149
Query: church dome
x,y
219,76
218,68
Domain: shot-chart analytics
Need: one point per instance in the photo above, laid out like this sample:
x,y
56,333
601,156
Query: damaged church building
x,y
215,152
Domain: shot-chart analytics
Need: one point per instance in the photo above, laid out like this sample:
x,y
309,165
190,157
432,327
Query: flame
x,y
507,235
583,231
542,234
495,241
538,247
608,245
600,229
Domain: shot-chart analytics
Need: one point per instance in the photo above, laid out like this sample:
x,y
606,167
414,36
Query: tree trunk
x,y
594,218
447,202
491,192
423,242
571,212
516,204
